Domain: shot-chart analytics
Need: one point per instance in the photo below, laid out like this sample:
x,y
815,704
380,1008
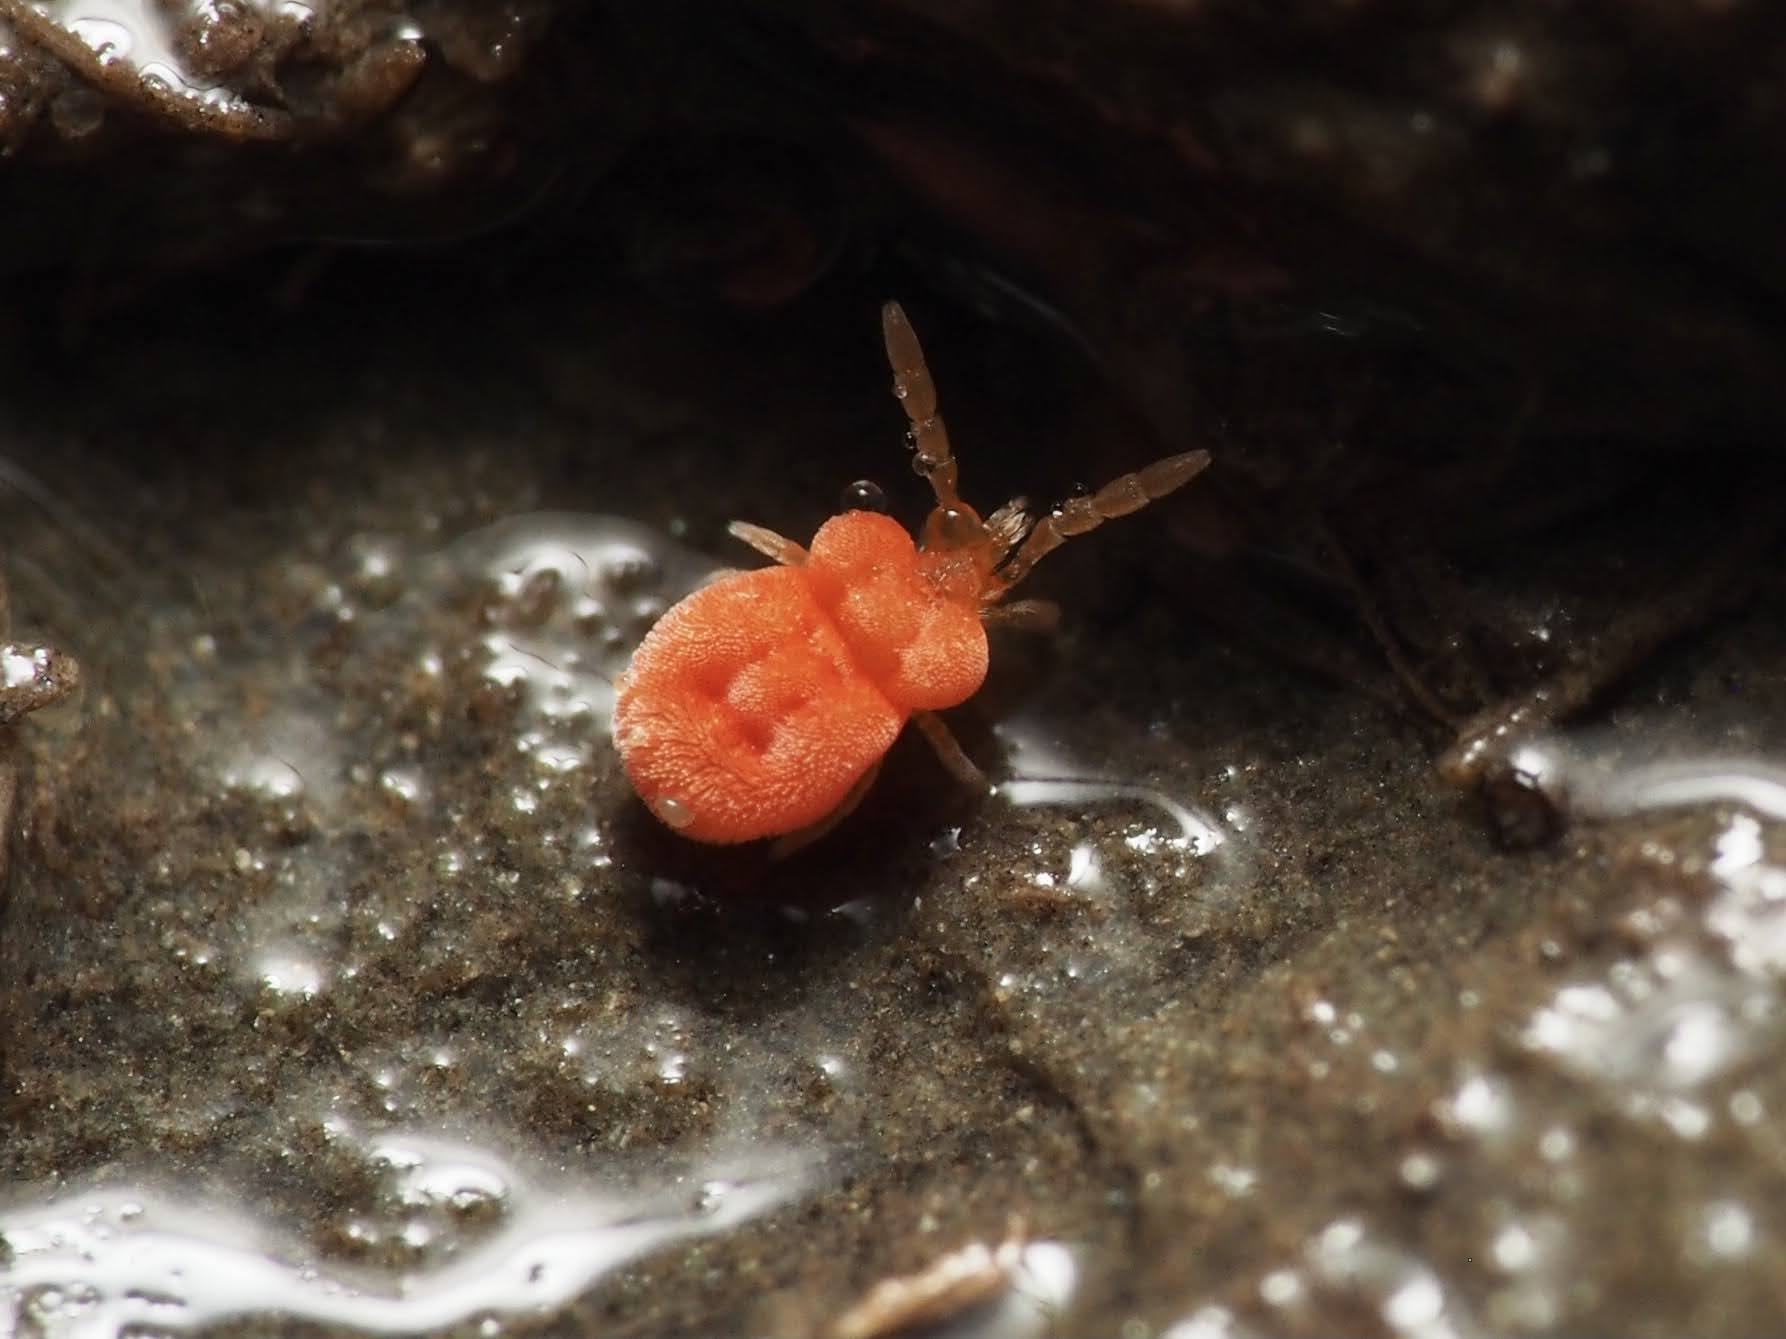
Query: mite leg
x,y
768,543
1080,515
786,845
949,750
1027,615
915,390
1006,527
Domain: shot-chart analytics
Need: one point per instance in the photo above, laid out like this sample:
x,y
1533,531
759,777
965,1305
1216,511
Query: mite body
x,y
761,705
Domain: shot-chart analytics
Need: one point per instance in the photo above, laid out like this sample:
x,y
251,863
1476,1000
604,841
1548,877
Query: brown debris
x,y
951,1284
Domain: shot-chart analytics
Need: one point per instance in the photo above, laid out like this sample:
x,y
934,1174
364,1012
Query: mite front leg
x,y
917,392
1081,515
766,542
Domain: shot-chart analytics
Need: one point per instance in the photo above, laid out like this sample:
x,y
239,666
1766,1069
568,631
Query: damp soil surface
x,y
348,988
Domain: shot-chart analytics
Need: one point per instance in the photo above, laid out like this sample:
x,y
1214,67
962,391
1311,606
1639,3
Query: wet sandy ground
x,y
348,989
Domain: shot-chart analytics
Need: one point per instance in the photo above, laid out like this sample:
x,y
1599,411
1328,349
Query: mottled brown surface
x,y
1189,1067
325,856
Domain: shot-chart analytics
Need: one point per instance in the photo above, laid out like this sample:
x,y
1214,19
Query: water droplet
x,y
672,812
1281,1287
106,38
863,495
1727,1229
288,974
77,112
1419,1171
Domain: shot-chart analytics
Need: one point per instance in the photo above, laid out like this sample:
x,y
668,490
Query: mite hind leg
x,y
784,846
949,751
766,542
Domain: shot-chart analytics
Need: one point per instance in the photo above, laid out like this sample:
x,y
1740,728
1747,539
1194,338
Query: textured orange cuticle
x,y
753,707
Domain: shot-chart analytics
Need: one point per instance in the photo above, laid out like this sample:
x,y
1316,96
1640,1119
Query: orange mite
x,y
761,705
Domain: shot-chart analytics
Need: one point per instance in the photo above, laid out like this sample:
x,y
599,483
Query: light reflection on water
x,y
561,600
115,1260
1702,999
1673,1014
606,580
1677,783
138,34
1042,774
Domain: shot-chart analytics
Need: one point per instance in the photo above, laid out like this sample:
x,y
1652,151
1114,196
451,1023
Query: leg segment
x,y
1006,527
783,847
915,390
1079,515
768,543
949,750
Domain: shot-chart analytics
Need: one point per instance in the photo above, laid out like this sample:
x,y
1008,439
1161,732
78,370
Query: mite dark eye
x,y
864,495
